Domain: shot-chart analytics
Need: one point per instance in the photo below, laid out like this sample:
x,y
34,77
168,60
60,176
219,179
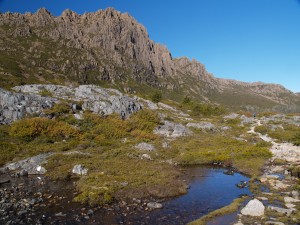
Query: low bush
x,y
31,128
156,96
261,129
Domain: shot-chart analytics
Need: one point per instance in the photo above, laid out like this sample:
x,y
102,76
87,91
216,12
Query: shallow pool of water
x,y
210,189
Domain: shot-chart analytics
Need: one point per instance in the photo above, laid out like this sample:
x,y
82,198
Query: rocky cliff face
x,y
108,47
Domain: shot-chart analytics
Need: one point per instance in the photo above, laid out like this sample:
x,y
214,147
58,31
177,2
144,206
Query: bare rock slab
x,y
254,208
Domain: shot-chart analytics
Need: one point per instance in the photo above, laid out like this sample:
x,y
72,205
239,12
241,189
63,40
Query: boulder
x,y
145,146
146,157
79,170
30,165
254,208
170,129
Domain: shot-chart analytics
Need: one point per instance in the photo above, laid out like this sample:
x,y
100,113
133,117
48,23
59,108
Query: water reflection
x,y
210,189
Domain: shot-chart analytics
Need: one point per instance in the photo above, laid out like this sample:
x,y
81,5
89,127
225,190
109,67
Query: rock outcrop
x,y
27,100
32,165
14,106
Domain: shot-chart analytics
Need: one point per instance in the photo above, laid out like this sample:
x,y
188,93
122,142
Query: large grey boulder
x,y
170,129
30,165
254,208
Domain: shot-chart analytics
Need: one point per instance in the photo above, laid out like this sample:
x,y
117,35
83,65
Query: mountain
x,y
112,49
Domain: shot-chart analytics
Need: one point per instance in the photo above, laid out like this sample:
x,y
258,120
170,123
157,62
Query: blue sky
x,y
247,40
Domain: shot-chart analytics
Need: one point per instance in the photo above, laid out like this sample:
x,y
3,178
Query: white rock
x,y
154,205
287,212
146,156
295,194
254,208
80,170
41,170
290,200
290,206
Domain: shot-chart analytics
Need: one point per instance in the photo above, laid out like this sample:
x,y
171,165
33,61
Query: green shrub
x,y
59,109
207,110
145,120
261,129
31,128
156,97
186,100
296,139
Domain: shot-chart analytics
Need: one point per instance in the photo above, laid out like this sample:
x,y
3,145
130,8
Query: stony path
x,y
277,203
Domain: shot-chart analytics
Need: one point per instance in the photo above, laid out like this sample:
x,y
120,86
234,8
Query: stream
x,y
34,200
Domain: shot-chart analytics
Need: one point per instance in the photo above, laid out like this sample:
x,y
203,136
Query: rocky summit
x,y
111,48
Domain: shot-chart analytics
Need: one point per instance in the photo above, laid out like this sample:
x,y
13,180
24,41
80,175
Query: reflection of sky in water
x,y
210,190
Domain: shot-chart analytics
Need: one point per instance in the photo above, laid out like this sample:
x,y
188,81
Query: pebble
x,y
154,205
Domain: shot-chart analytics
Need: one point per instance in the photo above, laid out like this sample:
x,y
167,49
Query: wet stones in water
x,y
229,172
242,184
4,180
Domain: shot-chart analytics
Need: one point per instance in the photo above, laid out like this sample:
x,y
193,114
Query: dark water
x,y
210,189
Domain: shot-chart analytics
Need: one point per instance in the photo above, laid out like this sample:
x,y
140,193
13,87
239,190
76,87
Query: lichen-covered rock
x,y
254,208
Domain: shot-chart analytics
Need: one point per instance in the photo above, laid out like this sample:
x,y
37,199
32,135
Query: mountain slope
x,y
112,49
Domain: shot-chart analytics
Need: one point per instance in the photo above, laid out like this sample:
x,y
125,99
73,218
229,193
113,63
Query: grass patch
x,y
210,148
233,207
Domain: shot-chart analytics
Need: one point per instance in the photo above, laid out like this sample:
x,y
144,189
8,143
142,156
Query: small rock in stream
x,y
154,205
